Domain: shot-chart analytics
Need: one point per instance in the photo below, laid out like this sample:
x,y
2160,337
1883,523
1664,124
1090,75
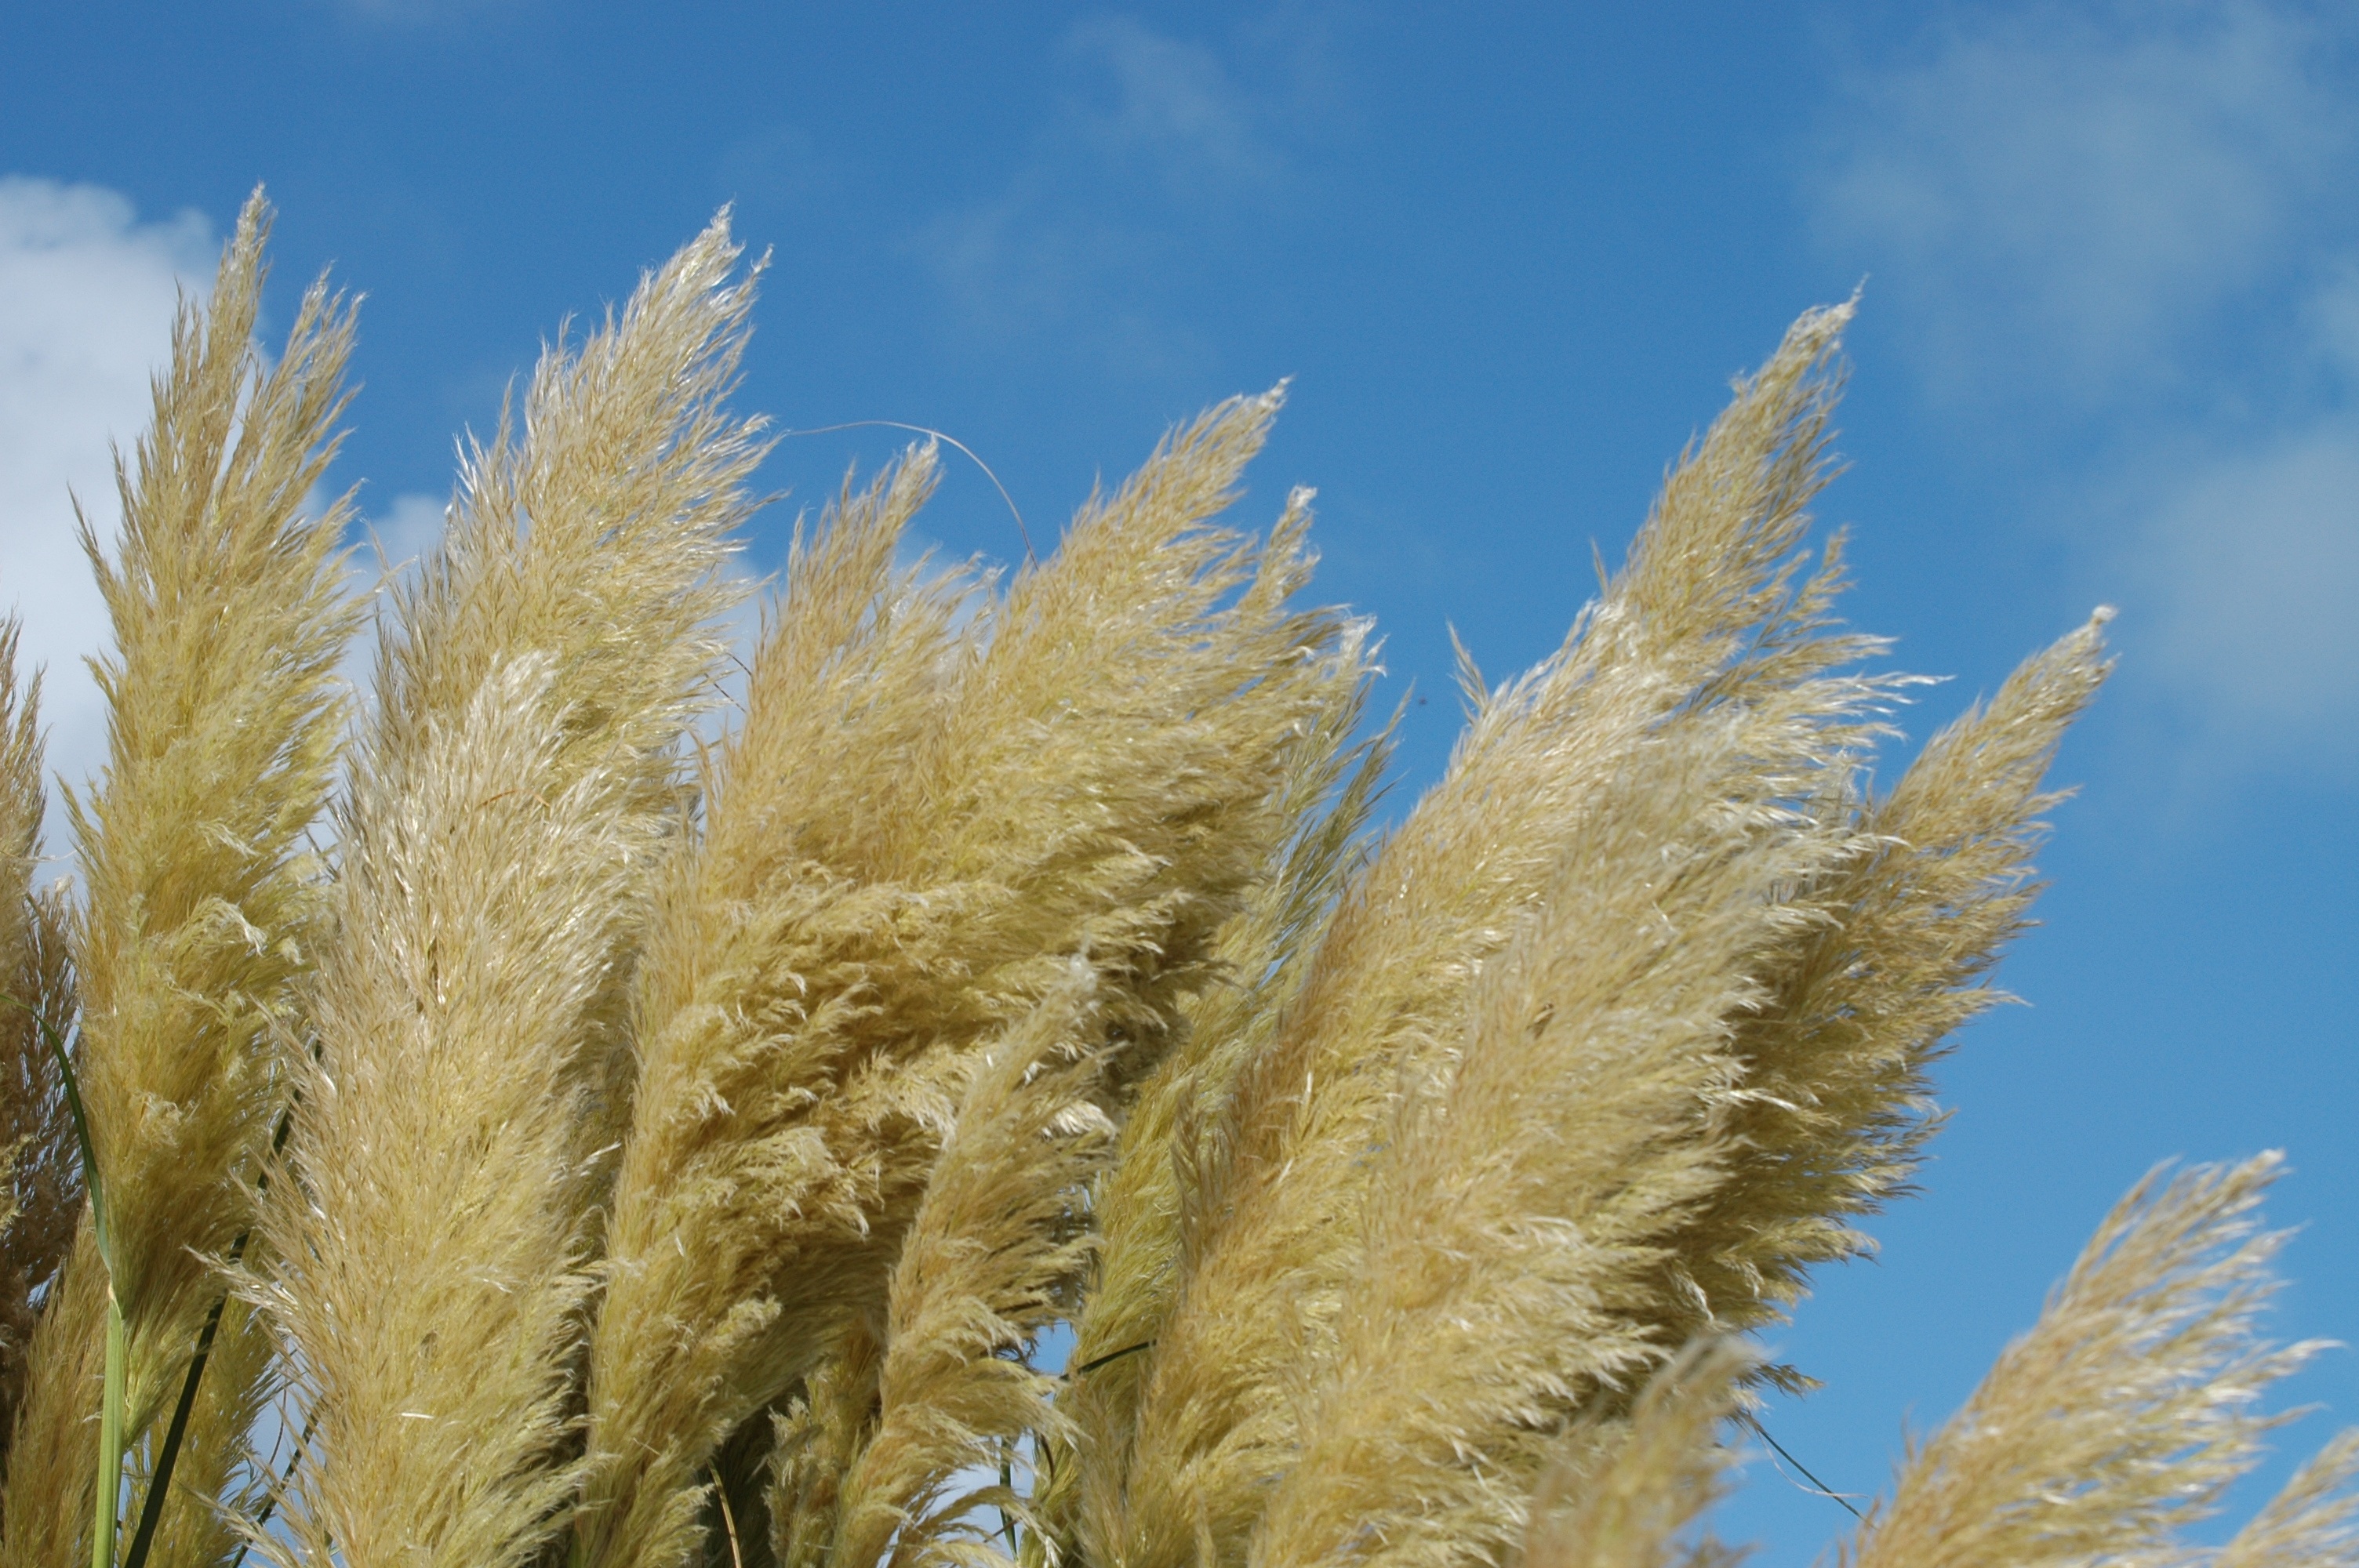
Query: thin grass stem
x,y
1816,1486
110,1437
151,1512
728,1521
1021,532
269,1504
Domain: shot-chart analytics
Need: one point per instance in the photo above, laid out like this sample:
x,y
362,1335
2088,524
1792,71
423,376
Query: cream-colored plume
x,y
1834,1103
1264,953
1625,1488
514,794
2123,1415
1705,621
1088,768
992,1256
200,896
740,1238
2313,1523
694,1147
1522,1203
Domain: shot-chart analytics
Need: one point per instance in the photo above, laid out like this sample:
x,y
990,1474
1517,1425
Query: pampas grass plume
x,y
564,1112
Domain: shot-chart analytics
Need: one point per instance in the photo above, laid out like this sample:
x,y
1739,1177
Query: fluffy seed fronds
x,y
757,960
1629,1486
42,1191
2313,1523
1108,764
436,1221
818,1438
2121,1416
597,538
1120,647
222,739
1521,1204
507,811
1089,767
41,1178
1263,954
1021,960
215,1480
992,1258
1705,619
1833,1103
200,900
52,1462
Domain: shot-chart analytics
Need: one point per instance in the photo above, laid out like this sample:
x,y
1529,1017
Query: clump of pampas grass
x,y
535,1115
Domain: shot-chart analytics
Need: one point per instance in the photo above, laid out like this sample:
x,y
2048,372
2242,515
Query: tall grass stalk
x,y
652,1136
200,896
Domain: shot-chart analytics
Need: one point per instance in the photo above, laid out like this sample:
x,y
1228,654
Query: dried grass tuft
x,y
690,1145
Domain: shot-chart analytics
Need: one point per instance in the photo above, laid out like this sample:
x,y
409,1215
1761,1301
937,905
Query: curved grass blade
x,y
81,1122
151,1512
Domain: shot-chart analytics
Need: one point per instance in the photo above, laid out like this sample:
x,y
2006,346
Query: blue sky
x,y
2108,352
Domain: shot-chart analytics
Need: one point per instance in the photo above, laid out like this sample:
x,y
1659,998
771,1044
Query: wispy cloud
x,y
1157,154
2129,222
2081,188
777,164
2251,567
87,292
401,535
413,13
1173,112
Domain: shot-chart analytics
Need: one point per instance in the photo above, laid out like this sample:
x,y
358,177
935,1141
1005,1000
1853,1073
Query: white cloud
x,y
2251,565
2069,192
1143,170
2113,221
402,535
87,293
1174,107
388,548
2331,320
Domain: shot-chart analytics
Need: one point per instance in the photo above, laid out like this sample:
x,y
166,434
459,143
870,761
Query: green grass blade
x,y
110,1439
81,1125
151,1512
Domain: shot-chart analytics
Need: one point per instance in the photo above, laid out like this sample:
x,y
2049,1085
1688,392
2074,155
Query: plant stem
x,y
110,1439
151,1512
